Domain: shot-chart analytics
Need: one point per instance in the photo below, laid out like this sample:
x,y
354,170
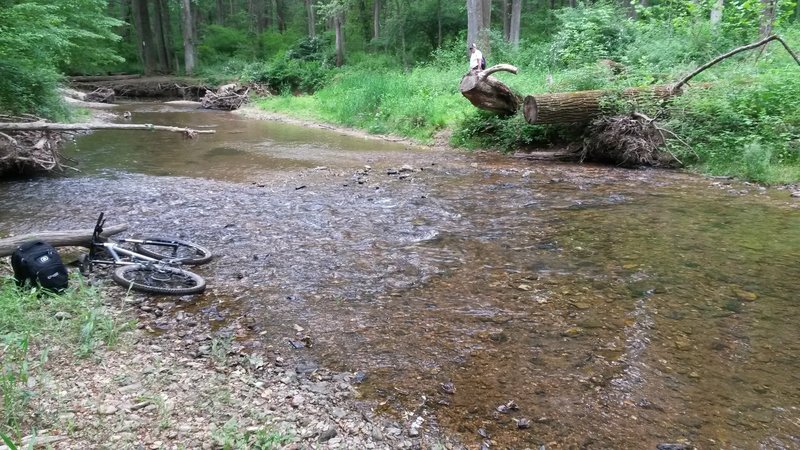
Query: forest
x,y
393,66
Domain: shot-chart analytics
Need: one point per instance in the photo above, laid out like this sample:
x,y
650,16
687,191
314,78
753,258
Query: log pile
x,y
101,95
29,151
228,97
163,87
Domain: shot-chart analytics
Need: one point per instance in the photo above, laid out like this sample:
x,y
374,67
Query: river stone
x,y
107,409
796,194
327,435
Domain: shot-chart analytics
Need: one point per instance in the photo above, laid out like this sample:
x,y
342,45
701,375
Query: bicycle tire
x,y
159,279
174,249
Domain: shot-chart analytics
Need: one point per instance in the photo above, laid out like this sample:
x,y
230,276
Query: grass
x,y
747,125
231,437
31,322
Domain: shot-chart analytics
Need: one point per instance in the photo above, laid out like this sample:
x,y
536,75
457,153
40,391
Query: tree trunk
x,y
188,37
506,8
716,13
280,16
147,50
166,31
488,93
768,15
376,19
220,12
582,106
68,238
474,22
516,14
338,24
311,18
160,41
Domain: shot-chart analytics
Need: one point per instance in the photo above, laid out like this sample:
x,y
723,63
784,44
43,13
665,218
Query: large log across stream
x,y
489,93
583,106
69,238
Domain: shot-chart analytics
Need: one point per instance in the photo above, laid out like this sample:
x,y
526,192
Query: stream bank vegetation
x,y
393,68
38,328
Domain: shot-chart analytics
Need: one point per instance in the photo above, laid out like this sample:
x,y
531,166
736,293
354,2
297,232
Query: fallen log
x,y
489,93
69,238
88,78
583,106
47,126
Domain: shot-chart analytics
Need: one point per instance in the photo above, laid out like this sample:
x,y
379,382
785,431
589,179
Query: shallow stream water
x,y
607,308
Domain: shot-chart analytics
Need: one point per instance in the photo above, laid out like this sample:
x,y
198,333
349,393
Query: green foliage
x,y
230,437
590,33
481,129
219,42
38,39
747,125
303,68
31,317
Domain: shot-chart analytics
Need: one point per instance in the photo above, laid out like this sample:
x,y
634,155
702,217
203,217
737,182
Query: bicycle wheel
x,y
159,279
174,249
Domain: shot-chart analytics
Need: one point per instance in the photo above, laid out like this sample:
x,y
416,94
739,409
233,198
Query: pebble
x,y
107,409
297,400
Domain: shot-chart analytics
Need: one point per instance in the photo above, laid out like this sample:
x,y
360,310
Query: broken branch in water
x,y
47,126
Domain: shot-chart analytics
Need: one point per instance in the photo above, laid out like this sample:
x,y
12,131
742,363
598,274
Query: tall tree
x,y
477,24
716,13
311,18
145,41
376,19
188,37
506,15
161,40
516,17
219,12
338,26
768,14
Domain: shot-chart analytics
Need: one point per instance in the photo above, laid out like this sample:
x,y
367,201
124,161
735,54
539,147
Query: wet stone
x,y
327,435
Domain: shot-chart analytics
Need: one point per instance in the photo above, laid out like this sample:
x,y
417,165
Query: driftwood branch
x,y
69,238
46,126
719,58
497,68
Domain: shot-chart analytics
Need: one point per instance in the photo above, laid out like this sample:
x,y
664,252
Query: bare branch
x,y
705,66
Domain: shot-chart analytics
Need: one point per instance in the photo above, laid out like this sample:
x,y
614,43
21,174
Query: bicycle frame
x,y
115,250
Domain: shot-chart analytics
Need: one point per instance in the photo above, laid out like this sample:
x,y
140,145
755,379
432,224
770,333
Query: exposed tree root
x,y
627,141
27,152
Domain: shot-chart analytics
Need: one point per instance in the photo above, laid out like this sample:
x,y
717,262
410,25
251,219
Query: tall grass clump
x,y
748,124
32,322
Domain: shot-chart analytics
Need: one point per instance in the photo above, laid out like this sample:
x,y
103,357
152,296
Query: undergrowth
x,y
33,322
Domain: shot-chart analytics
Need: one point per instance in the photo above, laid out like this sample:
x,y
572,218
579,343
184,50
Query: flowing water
x,y
607,308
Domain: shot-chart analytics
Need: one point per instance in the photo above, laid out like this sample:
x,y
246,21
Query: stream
x,y
529,303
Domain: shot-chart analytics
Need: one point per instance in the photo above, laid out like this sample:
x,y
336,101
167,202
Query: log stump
x,y
489,93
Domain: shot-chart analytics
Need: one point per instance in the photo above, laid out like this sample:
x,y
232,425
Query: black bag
x,y
483,63
39,263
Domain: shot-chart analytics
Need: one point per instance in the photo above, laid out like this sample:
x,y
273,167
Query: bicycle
x,y
152,264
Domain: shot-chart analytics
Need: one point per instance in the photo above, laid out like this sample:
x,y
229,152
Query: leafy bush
x,y
590,33
25,88
38,39
742,123
482,129
219,42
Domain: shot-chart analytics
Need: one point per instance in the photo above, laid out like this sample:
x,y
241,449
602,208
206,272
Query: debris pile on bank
x,y
29,151
228,97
